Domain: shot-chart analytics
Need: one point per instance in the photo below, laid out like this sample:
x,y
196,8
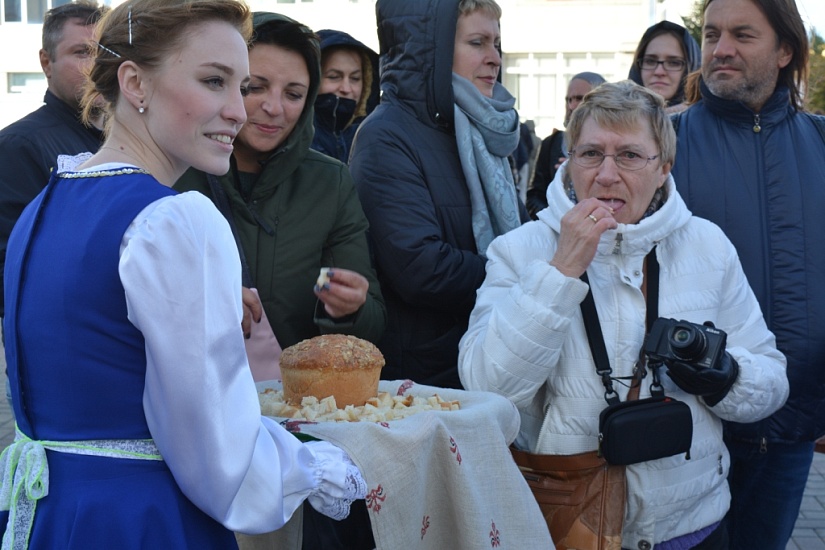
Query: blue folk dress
x,y
77,369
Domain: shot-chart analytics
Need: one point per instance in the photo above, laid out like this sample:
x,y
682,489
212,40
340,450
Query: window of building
x,y
19,83
28,11
12,11
35,9
539,82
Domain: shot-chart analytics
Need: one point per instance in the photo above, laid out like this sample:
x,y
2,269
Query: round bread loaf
x,y
336,365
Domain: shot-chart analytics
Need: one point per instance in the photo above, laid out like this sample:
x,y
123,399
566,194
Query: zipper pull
x,y
763,445
617,248
756,127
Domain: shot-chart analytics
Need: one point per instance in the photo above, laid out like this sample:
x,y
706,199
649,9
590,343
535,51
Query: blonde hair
x,y
490,7
145,32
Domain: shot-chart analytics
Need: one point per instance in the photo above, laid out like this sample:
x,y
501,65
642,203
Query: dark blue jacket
x,y
408,175
28,152
761,178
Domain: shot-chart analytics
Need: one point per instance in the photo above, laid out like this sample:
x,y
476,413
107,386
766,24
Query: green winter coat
x,y
302,214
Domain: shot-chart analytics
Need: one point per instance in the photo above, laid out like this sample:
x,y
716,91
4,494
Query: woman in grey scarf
x,y
430,166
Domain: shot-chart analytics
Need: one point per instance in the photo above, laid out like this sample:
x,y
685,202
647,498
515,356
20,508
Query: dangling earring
x,y
141,109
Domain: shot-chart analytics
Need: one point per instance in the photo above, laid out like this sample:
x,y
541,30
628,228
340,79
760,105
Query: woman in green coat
x,y
294,209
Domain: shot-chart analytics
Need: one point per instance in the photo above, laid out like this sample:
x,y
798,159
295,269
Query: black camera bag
x,y
645,429
637,430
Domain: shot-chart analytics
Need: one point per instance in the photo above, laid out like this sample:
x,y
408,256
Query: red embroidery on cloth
x,y
294,426
495,536
402,389
384,424
374,499
454,449
425,524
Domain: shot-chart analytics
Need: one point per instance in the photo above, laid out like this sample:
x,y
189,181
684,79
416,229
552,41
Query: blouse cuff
x,y
339,481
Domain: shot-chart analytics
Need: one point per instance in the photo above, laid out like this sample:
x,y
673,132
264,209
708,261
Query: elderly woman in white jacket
x,y
527,340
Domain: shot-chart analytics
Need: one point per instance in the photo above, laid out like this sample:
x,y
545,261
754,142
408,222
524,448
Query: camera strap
x,y
596,339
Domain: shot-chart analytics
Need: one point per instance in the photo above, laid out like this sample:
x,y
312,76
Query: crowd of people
x,y
195,165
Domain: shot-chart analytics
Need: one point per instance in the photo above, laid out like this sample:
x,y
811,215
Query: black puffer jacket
x,y
408,175
761,178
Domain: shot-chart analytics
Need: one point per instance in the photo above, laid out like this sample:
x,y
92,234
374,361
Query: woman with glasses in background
x,y
666,54
614,214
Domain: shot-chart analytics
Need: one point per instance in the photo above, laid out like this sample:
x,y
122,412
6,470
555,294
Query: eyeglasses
x,y
626,160
651,64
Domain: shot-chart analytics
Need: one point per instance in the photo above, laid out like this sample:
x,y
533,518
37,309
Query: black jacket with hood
x,y
408,175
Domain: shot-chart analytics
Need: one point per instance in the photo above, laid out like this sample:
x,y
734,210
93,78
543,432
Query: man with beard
x,y
752,160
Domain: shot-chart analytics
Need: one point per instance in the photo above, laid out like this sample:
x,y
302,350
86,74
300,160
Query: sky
x,y
813,14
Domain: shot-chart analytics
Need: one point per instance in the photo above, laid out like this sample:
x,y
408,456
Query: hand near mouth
x,y
581,229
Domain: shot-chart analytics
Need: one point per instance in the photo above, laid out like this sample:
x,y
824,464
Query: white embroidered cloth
x,y
440,479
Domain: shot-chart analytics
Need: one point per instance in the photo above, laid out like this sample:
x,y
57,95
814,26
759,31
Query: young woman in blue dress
x,y
138,419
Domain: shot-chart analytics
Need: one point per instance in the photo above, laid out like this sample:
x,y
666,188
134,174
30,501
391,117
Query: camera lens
x,y
687,343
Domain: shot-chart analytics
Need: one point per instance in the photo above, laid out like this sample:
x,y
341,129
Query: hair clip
x,y
130,25
114,53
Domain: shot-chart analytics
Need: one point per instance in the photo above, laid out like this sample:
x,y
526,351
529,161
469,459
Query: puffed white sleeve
x,y
181,272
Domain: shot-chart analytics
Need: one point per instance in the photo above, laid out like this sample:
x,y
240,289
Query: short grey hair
x,y
594,79
624,105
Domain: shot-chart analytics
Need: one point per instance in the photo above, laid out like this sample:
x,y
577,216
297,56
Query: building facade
x,y
545,42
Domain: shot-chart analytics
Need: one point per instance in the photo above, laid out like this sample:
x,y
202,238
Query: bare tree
x,y
693,21
815,96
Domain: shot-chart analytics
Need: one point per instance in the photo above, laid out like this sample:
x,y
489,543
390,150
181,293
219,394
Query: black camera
x,y
686,342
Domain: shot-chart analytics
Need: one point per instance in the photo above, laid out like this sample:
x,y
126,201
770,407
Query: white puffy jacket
x,y
526,341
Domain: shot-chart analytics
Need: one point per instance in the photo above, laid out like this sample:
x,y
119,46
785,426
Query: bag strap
x,y
595,338
222,202
652,288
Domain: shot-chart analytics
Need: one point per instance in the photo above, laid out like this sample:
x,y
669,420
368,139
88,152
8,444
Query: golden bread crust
x,y
337,365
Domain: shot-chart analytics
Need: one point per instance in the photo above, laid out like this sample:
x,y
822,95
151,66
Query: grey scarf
x,y
486,131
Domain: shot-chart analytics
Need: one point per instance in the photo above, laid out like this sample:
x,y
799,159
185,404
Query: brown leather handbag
x,y
581,496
